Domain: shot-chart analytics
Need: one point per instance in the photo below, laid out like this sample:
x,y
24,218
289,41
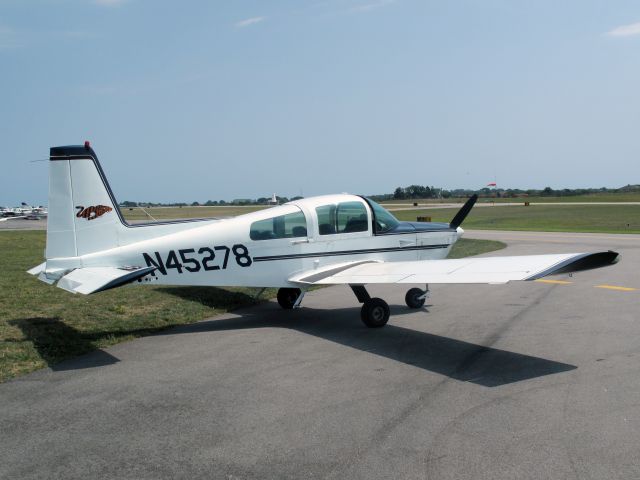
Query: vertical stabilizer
x,y
83,216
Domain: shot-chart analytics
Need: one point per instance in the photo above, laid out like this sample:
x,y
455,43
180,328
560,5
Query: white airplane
x,y
36,213
25,211
326,240
11,214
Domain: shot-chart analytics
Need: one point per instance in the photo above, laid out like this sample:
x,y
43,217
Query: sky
x,y
209,100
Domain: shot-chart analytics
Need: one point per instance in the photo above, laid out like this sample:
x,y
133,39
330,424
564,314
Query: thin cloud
x,y
78,34
98,89
249,21
8,38
625,30
367,7
109,3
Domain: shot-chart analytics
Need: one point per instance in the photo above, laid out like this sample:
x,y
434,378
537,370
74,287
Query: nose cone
x,y
459,231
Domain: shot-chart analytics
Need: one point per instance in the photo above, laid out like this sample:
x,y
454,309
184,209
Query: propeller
x,y
463,212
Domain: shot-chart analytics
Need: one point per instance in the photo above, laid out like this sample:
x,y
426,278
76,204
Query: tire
x,y
287,297
375,313
412,300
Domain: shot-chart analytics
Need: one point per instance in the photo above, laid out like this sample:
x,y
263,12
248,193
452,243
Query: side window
x,y
346,217
326,219
291,225
352,217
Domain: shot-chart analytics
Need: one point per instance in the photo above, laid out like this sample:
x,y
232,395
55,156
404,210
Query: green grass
x,y
465,247
546,218
42,325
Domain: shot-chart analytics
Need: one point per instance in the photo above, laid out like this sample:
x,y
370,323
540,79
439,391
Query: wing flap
x,y
465,270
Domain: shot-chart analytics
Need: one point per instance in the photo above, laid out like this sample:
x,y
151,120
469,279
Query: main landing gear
x,y
289,298
374,312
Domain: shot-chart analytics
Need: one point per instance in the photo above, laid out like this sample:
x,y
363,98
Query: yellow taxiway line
x,y
607,287
555,282
615,287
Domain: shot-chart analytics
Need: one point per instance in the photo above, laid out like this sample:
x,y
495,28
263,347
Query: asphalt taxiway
x,y
526,380
22,224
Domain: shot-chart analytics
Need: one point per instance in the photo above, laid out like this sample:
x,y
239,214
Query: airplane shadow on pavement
x,y
457,359
50,335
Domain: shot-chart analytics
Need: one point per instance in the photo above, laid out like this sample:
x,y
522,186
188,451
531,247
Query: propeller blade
x,y
464,211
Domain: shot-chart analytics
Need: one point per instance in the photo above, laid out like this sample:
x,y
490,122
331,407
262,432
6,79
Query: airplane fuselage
x,y
235,252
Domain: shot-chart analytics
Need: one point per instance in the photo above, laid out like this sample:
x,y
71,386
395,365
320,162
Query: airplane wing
x,y
494,270
4,219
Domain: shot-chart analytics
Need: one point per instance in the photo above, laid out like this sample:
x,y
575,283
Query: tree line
x,y
413,192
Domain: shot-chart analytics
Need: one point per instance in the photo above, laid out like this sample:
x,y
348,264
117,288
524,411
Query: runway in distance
x,y
325,240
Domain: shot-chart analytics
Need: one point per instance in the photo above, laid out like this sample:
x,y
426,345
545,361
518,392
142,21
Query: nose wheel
x,y
416,297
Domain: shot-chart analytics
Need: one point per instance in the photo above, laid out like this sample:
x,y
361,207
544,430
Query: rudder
x,y
83,215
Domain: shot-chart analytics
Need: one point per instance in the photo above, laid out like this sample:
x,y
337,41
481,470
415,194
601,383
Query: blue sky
x,y
203,100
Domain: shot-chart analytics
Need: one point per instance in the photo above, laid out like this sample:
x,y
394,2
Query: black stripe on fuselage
x,y
347,252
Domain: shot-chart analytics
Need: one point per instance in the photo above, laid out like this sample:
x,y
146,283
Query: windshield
x,y
383,220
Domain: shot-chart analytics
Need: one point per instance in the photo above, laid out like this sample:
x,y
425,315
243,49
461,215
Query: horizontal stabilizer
x,y
97,279
464,270
38,269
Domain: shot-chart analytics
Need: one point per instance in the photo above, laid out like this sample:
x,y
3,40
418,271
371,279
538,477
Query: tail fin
x,y
84,218
83,214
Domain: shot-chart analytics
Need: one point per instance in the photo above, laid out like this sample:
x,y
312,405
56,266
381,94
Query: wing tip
x,y
581,262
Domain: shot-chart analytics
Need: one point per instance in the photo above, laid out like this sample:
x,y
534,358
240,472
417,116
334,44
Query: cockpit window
x,y
326,219
345,217
291,225
384,221
352,217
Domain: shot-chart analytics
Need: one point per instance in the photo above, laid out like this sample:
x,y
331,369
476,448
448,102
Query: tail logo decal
x,y
91,213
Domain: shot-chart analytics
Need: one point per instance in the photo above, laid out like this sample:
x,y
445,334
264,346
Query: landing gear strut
x,y
375,311
289,298
415,297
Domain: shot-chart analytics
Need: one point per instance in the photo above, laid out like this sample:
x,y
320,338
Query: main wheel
x,y
375,313
287,297
412,298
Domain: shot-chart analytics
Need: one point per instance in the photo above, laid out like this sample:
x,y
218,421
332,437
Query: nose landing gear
x,y
415,297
